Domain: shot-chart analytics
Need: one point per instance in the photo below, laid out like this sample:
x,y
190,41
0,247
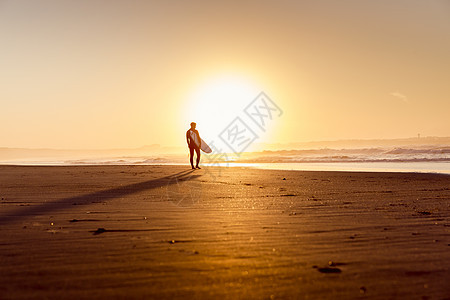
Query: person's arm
x,y
188,138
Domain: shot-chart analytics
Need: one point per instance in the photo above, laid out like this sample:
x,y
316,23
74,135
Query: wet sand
x,y
143,232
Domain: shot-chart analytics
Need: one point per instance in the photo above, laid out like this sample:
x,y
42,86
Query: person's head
x,y
193,124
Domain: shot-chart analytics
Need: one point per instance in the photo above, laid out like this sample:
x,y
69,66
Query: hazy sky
x,y
100,74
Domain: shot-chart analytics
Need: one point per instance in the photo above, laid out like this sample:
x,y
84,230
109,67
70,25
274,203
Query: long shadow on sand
x,y
97,196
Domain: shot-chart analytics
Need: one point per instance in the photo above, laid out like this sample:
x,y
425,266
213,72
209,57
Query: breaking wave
x,y
439,154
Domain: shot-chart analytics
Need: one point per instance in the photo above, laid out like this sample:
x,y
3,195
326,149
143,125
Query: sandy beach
x,y
163,232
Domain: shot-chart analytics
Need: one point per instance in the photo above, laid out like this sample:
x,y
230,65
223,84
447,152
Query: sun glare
x,y
216,102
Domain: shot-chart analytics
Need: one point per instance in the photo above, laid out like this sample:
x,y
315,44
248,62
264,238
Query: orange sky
x,y
103,74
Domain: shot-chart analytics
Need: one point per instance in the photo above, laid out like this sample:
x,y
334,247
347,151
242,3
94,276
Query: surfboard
x,y
203,145
205,148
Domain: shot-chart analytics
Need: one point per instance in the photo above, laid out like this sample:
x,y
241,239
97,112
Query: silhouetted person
x,y
194,143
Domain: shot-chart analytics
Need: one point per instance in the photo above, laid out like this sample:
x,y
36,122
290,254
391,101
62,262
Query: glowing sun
x,y
217,101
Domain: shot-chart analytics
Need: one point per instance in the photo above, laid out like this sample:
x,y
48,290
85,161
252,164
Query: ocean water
x,y
426,159
419,154
429,159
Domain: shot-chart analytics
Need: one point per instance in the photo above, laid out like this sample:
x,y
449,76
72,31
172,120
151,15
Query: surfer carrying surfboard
x,y
194,142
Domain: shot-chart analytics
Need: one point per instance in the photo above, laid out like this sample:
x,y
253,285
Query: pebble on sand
x,y
329,270
99,231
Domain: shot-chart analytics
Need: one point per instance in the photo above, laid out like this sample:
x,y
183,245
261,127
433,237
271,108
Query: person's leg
x,y
197,151
191,156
